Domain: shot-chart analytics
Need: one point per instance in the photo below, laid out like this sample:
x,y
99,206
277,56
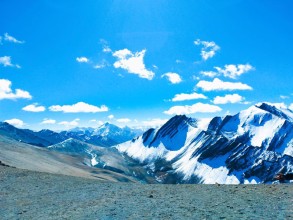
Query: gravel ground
x,y
34,195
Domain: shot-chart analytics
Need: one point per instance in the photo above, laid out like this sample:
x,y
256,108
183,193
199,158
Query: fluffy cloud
x,y
73,123
48,121
96,122
82,59
78,107
284,97
155,122
208,49
34,108
7,93
234,98
190,109
6,61
174,78
15,122
132,63
106,48
9,38
211,74
111,116
123,120
101,64
218,84
233,71
184,97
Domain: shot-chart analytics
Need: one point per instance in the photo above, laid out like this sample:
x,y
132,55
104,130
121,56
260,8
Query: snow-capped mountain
x,y
106,135
249,147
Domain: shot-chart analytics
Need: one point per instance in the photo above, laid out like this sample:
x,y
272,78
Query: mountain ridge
x,y
249,147
106,135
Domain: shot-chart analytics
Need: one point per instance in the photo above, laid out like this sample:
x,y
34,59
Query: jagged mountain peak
x,y
277,109
181,119
175,124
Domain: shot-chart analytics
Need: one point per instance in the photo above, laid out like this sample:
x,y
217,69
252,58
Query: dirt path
x,y
32,195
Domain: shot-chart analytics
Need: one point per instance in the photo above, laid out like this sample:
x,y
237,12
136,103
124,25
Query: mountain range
x,y
106,135
249,147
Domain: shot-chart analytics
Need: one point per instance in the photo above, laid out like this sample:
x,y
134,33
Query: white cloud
x,y
73,123
123,120
78,107
284,97
132,63
234,98
9,38
233,71
106,48
155,122
111,116
7,93
218,84
184,96
208,49
96,122
48,121
15,122
190,109
34,108
6,61
211,74
82,59
195,77
101,65
174,78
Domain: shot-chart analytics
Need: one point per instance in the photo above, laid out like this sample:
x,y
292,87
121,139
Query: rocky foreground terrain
x,y
35,195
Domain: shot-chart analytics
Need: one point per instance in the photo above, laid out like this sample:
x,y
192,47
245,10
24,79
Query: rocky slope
x,y
34,195
24,156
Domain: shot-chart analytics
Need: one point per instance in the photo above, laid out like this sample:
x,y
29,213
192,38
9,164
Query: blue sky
x,y
134,62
